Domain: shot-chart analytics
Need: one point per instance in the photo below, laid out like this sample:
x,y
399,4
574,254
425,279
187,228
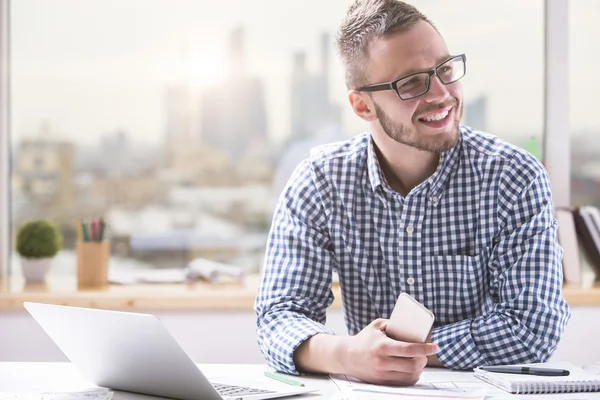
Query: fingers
x,y
400,379
403,349
420,349
379,324
398,370
406,365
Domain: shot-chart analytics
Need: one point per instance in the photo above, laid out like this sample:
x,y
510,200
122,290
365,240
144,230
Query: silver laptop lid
x,y
123,351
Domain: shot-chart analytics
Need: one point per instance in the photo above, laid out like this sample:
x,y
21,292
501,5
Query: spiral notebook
x,y
578,380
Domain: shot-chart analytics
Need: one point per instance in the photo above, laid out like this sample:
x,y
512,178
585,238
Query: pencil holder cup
x,y
92,263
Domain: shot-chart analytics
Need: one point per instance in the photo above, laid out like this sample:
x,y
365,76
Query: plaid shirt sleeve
x,y
295,288
529,312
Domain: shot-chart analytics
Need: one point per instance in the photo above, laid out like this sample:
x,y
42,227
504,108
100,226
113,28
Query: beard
x,y
410,137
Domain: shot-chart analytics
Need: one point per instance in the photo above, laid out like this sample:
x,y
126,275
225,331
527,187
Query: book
x,y
589,237
578,380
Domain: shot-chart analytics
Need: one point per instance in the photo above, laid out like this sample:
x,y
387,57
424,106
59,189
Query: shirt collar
x,y
445,168
374,169
437,181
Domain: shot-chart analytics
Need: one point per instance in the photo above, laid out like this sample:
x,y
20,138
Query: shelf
x,y
578,296
193,296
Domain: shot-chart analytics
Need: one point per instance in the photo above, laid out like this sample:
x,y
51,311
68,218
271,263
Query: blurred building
x,y
476,113
194,164
118,155
44,173
181,119
311,109
233,114
117,171
193,223
134,190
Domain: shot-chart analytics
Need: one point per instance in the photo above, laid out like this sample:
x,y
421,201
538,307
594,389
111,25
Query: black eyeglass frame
x,y
393,85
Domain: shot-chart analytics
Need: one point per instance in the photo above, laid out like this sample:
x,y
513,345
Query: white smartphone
x,y
410,320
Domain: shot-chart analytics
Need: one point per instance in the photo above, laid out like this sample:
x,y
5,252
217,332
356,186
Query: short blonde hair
x,y
366,20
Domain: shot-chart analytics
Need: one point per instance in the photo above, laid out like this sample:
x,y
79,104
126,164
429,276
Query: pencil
x,y
102,227
283,379
84,230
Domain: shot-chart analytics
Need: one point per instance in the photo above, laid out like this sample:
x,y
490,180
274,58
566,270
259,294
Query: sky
x,y
91,67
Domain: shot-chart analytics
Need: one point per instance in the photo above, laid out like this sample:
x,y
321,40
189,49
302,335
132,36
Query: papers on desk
x,y
88,394
593,369
199,268
430,386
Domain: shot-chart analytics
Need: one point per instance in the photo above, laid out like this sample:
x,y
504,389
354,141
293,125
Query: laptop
x,y
134,352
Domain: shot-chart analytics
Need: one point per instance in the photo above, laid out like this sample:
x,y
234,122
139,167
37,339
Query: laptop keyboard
x,y
232,390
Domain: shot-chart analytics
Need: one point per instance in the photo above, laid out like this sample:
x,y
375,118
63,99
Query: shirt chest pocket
x,y
460,287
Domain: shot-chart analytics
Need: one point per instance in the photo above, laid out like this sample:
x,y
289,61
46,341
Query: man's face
x,y
429,122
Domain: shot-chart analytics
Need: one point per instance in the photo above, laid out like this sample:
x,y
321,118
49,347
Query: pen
x,y
508,369
102,227
84,230
282,378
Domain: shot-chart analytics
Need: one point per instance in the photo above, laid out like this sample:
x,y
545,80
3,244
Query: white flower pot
x,y
35,269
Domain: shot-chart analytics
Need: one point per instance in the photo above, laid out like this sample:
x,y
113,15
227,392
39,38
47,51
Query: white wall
x,y
229,337
580,343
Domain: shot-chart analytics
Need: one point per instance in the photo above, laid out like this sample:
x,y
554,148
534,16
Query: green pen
x,y
84,230
282,378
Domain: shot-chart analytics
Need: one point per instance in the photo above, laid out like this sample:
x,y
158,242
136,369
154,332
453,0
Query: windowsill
x,y
192,296
582,296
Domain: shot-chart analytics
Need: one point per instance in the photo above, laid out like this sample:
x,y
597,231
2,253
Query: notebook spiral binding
x,y
531,387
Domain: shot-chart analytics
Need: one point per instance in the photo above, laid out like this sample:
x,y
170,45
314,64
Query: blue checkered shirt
x,y
476,243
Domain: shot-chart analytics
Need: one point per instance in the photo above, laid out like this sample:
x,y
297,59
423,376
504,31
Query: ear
x,y
362,104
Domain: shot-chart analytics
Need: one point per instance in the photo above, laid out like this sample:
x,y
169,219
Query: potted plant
x,y
38,241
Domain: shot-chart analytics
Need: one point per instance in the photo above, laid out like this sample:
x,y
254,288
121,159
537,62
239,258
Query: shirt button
x,y
410,229
410,280
435,199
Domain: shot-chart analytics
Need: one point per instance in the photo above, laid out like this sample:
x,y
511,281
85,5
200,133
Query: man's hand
x,y
369,355
432,360
373,357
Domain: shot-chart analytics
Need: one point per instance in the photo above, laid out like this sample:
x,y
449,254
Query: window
x,y
504,86
584,64
180,123
4,152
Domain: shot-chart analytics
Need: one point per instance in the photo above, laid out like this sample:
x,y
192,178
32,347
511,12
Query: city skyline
x,y
183,127
101,80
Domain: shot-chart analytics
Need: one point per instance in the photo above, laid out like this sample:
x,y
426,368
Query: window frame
x,y
5,216
555,135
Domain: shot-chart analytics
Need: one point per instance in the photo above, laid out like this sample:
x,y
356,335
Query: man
x,y
457,218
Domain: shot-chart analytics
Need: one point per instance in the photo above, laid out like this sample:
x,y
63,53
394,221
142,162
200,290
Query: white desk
x,y
62,376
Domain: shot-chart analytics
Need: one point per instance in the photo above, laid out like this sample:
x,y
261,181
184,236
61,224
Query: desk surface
x,y
193,296
62,376
46,377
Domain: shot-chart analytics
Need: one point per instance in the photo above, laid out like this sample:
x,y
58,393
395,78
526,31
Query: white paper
x,y
593,369
213,271
430,388
87,394
199,268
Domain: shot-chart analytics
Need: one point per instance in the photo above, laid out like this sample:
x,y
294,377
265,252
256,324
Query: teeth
x,y
436,117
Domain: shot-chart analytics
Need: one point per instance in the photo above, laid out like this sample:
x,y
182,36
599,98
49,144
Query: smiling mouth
x,y
438,119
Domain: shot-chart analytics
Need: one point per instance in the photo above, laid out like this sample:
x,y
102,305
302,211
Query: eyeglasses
x,y
417,84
